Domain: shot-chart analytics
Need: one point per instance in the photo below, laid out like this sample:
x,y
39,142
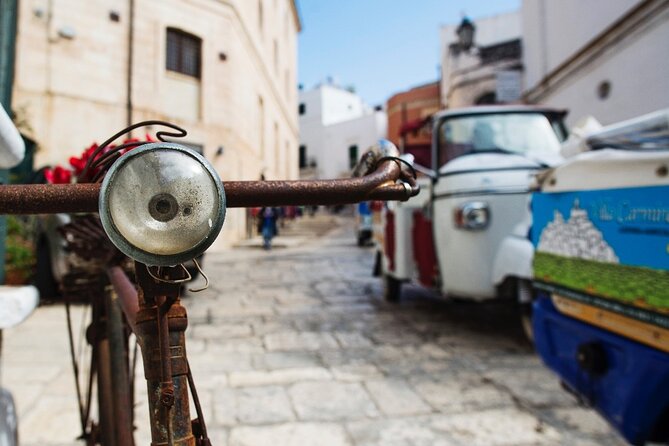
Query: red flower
x,y
58,175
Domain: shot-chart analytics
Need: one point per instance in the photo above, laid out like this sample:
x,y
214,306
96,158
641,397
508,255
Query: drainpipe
x,y
131,35
8,24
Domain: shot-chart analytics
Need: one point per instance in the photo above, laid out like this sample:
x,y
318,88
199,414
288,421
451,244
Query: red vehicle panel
x,y
423,252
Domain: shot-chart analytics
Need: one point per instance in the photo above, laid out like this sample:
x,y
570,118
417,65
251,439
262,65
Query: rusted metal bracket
x,y
161,326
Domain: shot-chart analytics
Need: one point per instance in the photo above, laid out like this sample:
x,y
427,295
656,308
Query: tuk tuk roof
x,y
493,109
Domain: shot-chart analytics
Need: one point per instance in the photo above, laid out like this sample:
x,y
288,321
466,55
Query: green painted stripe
x,y
636,313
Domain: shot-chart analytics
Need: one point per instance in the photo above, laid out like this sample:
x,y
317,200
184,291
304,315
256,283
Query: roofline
x,y
296,14
490,109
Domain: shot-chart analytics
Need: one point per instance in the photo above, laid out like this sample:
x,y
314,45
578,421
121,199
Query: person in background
x,y
267,225
364,223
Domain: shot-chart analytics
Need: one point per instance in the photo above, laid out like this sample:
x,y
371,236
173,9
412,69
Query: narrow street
x,y
297,347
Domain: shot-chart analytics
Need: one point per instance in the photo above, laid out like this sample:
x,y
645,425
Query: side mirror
x,y
162,204
426,171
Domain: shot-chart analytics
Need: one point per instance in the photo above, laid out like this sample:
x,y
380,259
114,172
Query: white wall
x,y
334,120
635,63
638,71
554,30
340,105
362,132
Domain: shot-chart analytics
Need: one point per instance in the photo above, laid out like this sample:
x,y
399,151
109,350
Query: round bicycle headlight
x,y
162,204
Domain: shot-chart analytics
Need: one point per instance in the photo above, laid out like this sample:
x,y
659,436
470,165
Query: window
x,y
303,157
183,53
352,156
528,134
302,108
604,90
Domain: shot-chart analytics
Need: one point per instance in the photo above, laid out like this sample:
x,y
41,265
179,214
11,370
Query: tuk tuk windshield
x,y
530,134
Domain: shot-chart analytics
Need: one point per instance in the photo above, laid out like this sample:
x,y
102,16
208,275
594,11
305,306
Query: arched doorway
x,y
486,98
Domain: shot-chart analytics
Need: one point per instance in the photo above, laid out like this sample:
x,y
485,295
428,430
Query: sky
x,y
380,47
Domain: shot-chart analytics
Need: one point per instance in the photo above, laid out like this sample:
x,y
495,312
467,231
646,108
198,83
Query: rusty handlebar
x,y
74,198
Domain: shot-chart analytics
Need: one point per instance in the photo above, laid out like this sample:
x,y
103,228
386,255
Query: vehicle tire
x,y
392,288
526,321
376,271
525,295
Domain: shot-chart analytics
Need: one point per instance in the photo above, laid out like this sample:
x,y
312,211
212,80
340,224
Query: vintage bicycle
x,y
162,205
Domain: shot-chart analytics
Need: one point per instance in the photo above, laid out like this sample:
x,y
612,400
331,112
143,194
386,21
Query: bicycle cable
x,y
160,135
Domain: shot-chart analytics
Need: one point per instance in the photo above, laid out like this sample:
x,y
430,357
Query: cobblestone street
x,y
297,347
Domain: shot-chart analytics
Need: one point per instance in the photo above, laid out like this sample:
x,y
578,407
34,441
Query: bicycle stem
x,y
161,326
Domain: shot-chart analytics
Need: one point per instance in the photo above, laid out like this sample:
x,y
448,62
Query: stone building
x,y
606,58
481,61
224,70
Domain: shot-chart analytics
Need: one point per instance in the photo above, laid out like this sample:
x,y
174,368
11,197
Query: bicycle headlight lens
x,y
162,204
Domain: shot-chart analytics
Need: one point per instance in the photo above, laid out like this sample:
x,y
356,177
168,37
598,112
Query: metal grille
x,y
183,53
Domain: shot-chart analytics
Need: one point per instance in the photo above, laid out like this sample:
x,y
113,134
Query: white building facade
x,y
605,58
336,127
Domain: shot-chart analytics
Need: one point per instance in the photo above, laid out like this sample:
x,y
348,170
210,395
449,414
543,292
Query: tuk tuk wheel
x,y
392,288
525,296
526,321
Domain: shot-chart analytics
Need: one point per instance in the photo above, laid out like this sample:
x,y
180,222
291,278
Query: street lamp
x,y
465,33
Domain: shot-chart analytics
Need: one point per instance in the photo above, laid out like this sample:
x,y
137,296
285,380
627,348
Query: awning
x,y
414,126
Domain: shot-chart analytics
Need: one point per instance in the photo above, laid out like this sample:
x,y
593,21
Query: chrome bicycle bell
x,y
162,204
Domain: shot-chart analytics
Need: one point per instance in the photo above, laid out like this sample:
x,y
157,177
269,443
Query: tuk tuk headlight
x,y
162,204
473,216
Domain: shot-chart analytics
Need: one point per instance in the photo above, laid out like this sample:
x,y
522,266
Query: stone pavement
x,y
296,347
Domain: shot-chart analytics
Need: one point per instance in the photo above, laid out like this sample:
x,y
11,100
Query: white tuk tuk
x,y
466,233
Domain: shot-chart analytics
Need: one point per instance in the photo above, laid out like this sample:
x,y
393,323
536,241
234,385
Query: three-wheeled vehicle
x,y
465,234
601,318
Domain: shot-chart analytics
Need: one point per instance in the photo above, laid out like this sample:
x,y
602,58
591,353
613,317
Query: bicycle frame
x,y
161,320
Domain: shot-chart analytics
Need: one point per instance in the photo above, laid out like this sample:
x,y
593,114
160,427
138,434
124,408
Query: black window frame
x,y
353,155
303,162
177,45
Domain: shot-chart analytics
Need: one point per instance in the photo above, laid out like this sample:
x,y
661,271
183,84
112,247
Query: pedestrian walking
x,y
267,225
